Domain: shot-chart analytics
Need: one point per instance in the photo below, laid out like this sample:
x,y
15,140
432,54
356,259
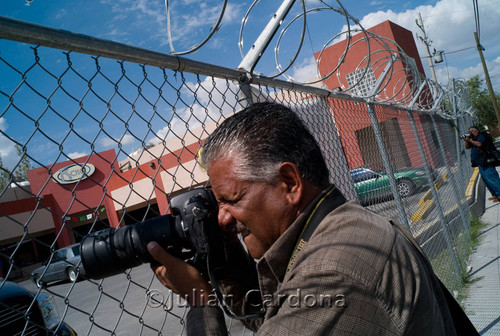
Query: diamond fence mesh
x,y
90,142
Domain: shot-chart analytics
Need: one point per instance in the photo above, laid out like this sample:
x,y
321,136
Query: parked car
x,y
19,316
65,265
373,185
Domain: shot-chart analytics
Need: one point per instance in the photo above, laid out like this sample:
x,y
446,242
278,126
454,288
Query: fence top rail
x,y
26,32
22,31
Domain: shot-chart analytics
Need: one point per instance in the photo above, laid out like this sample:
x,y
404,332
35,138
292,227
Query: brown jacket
x,y
355,276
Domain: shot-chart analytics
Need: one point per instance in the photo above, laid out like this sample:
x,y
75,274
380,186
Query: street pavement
x,y
483,301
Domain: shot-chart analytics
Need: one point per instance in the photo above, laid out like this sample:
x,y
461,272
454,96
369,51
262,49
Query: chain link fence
x,y
133,122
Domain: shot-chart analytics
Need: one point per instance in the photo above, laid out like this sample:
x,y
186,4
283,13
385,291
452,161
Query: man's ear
x,y
291,181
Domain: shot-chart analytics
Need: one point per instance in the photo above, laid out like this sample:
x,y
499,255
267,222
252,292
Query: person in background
x,y
479,144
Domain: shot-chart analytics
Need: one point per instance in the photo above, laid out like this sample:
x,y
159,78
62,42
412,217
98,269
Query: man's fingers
x,y
169,262
160,254
179,276
164,260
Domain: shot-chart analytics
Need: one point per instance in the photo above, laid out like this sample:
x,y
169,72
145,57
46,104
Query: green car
x,y
373,185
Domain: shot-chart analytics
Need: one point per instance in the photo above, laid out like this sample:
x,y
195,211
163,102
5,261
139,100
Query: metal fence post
x,y
245,93
442,219
459,129
454,184
466,122
459,147
258,48
387,164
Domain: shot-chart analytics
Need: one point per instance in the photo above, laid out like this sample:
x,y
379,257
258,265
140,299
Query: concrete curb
x,y
426,203
477,203
475,199
423,210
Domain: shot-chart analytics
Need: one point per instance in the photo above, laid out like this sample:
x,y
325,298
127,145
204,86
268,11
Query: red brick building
x,y
362,65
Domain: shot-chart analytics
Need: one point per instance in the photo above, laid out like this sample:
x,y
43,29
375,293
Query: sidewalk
x,y
483,301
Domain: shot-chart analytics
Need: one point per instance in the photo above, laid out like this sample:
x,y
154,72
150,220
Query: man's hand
x,y
179,276
468,143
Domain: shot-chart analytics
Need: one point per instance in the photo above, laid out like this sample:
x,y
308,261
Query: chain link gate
x,y
135,121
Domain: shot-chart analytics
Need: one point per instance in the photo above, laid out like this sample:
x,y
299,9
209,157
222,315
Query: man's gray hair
x,y
261,137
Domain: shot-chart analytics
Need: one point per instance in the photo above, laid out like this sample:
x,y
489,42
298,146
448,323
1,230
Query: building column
x,y
111,211
61,230
161,195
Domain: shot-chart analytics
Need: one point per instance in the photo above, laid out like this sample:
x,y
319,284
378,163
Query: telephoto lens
x,y
187,232
112,251
466,135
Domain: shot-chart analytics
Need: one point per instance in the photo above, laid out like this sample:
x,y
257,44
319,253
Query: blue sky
x,y
449,23
142,23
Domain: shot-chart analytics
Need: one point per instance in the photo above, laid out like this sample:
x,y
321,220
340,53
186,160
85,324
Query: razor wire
x,y
402,69
140,118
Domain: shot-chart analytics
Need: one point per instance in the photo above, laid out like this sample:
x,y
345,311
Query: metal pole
x,y
460,129
460,196
387,165
245,97
425,40
381,78
381,145
487,78
417,95
254,54
465,154
439,208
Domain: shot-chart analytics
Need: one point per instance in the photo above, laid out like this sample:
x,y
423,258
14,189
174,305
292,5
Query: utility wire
x,y
309,36
451,52
454,51
476,18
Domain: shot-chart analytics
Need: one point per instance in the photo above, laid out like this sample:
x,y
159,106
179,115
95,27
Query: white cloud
x,y
450,25
125,140
150,10
7,147
468,72
76,155
190,21
215,101
306,71
107,142
5,144
233,13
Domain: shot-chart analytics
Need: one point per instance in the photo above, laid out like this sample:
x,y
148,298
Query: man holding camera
x,y
324,265
479,145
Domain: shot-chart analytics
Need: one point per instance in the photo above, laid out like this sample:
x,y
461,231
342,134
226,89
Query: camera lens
x,y
185,234
112,251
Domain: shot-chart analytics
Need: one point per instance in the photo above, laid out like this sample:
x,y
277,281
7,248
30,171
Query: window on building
x,y
361,81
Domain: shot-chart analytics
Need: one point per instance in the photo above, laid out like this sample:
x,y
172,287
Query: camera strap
x,y
329,202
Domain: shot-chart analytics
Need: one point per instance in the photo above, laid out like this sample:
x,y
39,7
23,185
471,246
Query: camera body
x,y
191,232
466,135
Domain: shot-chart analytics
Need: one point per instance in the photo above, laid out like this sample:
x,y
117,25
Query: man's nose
x,y
226,220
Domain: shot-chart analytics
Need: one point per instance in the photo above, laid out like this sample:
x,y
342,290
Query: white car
x,y
65,265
